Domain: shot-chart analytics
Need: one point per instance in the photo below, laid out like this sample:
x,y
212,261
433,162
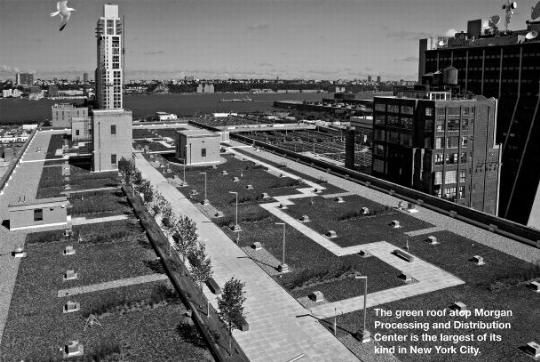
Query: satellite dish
x,y
536,11
531,35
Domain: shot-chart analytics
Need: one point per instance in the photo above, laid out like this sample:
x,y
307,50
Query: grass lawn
x,y
56,142
114,231
330,189
51,182
171,133
499,284
99,203
327,214
36,330
143,133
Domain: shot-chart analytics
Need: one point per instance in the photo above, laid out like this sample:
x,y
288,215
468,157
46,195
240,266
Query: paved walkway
x,y
110,188
428,278
444,222
95,220
112,284
424,231
275,331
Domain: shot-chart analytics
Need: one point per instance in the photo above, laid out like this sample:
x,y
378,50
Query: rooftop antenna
x,y
509,8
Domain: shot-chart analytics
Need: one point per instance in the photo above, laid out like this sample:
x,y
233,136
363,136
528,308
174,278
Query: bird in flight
x,y
64,12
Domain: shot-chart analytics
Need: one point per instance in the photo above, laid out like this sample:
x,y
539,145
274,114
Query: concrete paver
x,y
112,284
276,333
95,220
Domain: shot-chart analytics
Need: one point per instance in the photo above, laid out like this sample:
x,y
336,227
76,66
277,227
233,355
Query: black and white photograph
x,y
270,180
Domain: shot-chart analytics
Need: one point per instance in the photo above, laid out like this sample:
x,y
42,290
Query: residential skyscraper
x,y
109,77
26,79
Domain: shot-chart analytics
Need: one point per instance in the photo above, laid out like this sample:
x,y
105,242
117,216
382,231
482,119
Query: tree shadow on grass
x,y
190,334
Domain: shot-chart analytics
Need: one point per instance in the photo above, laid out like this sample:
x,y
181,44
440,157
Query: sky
x,y
168,39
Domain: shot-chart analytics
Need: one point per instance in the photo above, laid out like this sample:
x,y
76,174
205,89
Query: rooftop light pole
x,y
236,226
363,334
184,183
205,201
283,268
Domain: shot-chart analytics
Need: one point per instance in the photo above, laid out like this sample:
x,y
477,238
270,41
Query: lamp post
x,y
236,226
184,183
205,201
363,334
283,268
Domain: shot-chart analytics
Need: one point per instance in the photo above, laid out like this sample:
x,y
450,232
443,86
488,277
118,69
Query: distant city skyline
x,y
310,39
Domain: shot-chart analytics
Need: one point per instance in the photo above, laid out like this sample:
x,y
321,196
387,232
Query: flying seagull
x,y
64,12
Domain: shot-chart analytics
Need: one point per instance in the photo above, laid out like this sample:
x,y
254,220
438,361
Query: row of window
x,y
451,142
450,193
393,108
451,158
450,177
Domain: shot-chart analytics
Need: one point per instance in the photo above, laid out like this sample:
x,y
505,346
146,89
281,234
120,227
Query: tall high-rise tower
x,y
109,70
111,124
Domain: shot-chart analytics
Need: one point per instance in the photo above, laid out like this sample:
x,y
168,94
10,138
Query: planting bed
x,y
167,132
143,133
327,214
329,188
36,331
56,142
51,183
99,203
500,284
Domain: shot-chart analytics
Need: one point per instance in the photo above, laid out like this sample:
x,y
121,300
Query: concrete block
x,y
316,296
478,260
224,173
331,234
406,278
395,224
70,275
533,349
265,195
432,240
365,210
305,219
256,245
459,306
71,307
249,187
534,286
69,250
339,200
364,253
73,349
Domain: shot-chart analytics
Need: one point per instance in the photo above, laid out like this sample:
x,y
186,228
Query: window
x,y
203,152
453,125
407,110
380,107
379,150
38,214
438,178
463,157
462,176
113,159
452,142
429,112
438,142
450,193
405,139
464,141
462,192
439,126
393,108
76,132
379,119
441,113
113,129
439,159
453,111
450,177
378,166
451,158
379,135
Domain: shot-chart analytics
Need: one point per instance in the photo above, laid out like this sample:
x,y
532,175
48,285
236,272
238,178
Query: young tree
x,y
231,305
201,266
126,169
185,236
146,189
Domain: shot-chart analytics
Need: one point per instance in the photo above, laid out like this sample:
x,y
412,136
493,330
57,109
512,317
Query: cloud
x,y
408,35
8,69
261,26
451,32
154,52
410,59
265,64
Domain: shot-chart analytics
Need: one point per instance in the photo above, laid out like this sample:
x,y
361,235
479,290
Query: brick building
x,y
439,144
